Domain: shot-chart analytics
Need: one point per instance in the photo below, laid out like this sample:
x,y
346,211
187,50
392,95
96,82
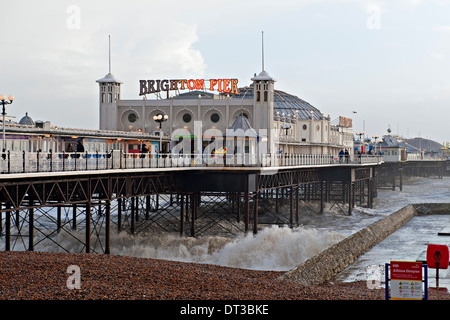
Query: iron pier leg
x,y
132,215
247,210
107,227
182,215
74,219
350,197
297,198
192,203
255,217
291,207
321,197
119,214
88,227
147,207
31,229
58,218
8,229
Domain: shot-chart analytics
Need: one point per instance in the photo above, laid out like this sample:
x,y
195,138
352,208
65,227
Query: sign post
x,y
437,258
406,280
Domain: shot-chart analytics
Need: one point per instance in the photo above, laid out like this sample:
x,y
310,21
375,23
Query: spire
x,y
109,77
262,49
109,40
263,76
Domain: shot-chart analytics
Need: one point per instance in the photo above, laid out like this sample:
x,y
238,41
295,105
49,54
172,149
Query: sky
x,y
386,64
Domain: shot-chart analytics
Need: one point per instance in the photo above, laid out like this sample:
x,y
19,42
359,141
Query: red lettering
x,y
183,82
191,84
226,83
200,84
212,83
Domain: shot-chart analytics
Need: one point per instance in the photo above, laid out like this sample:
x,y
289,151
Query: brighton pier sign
x,y
155,86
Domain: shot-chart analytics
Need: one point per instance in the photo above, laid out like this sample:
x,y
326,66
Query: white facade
x,y
195,112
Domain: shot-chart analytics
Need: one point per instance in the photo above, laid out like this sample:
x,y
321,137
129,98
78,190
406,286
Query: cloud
x,y
442,29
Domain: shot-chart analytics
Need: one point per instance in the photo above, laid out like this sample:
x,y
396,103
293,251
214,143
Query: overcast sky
x,y
387,60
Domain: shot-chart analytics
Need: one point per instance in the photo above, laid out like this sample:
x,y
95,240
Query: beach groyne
x,y
326,265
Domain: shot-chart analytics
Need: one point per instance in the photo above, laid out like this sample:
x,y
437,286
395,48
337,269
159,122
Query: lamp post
x,y
360,134
4,103
160,119
375,138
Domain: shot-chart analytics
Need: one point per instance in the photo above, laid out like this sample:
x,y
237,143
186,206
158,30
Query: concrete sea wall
x,y
327,264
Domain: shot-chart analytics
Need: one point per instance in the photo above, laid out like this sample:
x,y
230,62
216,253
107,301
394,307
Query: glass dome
x,y
285,103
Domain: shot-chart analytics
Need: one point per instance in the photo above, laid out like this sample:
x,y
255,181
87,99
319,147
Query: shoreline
x,y
29,275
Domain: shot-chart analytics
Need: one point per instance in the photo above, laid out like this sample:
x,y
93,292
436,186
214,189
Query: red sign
x,y
404,270
437,253
221,85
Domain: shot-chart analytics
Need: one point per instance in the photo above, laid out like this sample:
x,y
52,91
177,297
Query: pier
x,y
88,196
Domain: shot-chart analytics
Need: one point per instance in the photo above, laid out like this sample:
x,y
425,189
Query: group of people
x,y
79,148
344,154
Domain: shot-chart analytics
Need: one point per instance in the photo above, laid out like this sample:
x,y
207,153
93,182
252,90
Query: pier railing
x,y
31,162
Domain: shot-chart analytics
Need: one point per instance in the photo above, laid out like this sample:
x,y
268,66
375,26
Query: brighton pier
x,y
58,183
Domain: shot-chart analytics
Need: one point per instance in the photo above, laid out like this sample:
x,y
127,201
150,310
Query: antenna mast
x,y
262,51
109,39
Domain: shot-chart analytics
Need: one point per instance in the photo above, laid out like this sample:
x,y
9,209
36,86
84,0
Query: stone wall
x,y
327,264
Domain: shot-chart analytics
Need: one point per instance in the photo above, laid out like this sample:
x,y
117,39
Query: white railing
x,y
421,157
30,162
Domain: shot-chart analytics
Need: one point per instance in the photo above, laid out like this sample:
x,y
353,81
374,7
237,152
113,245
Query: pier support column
x,y
119,214
88,227
350,198
74,217
58,218
107,227
182,215
255,212
321,197
31,229
7,228
247,210
132,216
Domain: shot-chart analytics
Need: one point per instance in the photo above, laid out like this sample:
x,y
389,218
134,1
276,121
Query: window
x,y
215,117
187,117
132,117
265,95
305,127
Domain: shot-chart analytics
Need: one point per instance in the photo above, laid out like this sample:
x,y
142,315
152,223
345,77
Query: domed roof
x,y
286,103
26,120
109,78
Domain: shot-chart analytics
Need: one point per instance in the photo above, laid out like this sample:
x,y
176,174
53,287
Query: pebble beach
x,y
44,276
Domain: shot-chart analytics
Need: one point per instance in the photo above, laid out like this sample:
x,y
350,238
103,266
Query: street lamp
x,y
160,119
360,134
375,138
4,103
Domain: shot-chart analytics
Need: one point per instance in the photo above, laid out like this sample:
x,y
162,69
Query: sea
x,y
281,248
